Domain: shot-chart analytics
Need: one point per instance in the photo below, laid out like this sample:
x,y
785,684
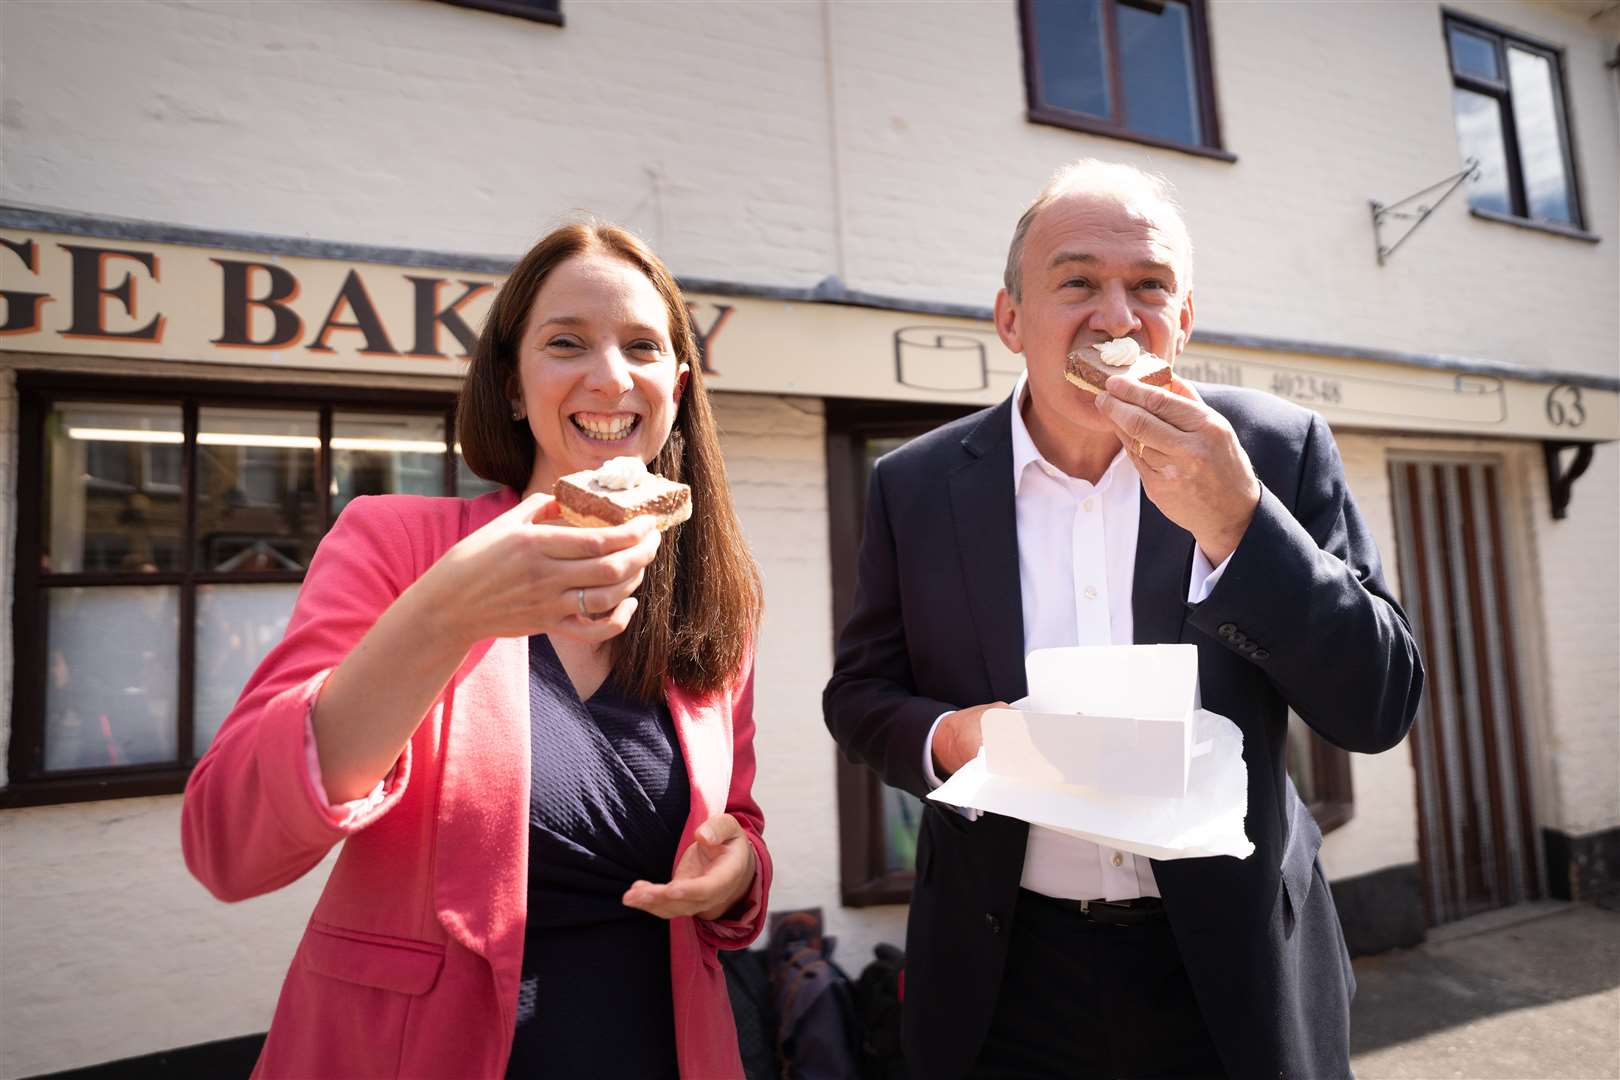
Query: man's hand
x,y
959,736
1190,461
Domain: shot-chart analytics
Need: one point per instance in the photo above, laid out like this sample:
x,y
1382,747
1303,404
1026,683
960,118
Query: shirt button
x,y
1090,593
1119,860
1089,505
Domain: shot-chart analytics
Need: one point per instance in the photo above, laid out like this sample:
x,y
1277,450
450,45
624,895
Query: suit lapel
x,y
987,542
1163,567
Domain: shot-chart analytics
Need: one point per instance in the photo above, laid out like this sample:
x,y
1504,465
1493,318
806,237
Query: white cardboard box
x,y
1117,718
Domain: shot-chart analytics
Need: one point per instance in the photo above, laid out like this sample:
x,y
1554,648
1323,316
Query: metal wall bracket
x,y
1417,215
1559,480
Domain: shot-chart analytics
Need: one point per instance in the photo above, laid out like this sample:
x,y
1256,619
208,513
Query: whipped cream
x,y
1121,352
620,474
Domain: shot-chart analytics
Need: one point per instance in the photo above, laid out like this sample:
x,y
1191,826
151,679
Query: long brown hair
x,y
700,600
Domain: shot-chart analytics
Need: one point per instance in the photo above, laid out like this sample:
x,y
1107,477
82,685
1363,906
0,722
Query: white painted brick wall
x,y
111,950
708,125
1579,581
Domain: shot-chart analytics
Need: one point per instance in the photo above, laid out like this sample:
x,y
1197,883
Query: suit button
x,y
1261,654
993,923
1247,646
1227,630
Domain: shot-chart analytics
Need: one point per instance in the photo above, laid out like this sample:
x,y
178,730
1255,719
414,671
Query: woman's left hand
x,y
715,872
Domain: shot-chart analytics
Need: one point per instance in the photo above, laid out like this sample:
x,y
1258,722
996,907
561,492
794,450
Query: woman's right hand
x,y
523,572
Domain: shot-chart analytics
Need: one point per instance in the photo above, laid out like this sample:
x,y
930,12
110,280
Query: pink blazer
x,y
409,966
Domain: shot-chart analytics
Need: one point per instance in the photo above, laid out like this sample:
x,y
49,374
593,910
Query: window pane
x,y
377,454
236,626
1157,74
1472,54
1479,135
256,500
1541,146
112,488
469,485
902,817
1069,49
110,685
1300,765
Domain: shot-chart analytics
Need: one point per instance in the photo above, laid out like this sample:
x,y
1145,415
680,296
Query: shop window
x,y
1508,101
163,531
546,11
1128,69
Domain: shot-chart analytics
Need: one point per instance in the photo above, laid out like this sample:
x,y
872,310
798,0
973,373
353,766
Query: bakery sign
x,y
82,295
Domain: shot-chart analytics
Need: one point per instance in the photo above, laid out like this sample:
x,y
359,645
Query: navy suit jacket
x,y
1301,617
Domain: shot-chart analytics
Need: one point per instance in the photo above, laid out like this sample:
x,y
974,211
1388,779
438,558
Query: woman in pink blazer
x,y
536,741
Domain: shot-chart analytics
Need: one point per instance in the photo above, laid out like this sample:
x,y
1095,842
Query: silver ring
x,y
579,595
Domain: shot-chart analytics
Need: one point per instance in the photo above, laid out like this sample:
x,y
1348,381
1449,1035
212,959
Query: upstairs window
x,y
1130,69
1508,99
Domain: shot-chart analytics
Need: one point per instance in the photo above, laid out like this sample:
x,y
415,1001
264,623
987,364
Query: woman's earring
x,y
517,411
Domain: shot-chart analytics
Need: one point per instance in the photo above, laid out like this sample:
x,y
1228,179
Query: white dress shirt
x,y
1076,564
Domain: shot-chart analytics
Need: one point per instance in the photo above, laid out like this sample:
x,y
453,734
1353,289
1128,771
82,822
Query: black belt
x,y
1138,912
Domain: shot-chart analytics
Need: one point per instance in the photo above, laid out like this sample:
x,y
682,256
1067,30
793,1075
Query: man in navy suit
x,y
1217,516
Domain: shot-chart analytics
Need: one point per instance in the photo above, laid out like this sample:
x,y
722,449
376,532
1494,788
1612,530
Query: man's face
x,y
1095,267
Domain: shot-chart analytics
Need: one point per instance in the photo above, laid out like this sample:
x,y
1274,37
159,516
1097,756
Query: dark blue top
x,y
608,799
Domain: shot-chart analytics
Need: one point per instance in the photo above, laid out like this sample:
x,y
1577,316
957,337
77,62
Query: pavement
x,y
1530,992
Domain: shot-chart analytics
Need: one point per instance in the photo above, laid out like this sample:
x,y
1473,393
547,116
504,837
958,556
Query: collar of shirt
x,y
1025,453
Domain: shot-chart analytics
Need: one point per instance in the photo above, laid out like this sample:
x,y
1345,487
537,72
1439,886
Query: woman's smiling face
x,y
597,375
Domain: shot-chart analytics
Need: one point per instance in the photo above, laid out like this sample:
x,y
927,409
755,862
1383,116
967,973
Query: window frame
x,y
864,879
541,11
28,783
1038,111
1502,92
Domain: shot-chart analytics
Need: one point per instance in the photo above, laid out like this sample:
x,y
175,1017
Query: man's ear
x,y
1184,330
1008,322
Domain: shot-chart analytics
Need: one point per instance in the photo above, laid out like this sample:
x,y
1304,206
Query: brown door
x,y
1479,847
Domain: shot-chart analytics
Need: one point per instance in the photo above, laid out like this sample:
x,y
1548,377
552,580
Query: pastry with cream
x,y
1090,366
618,491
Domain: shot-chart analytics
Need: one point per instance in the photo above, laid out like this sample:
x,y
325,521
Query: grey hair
x,y
1099,177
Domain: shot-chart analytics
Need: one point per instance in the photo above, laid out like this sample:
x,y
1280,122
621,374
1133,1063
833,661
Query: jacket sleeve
x,y
740,931
870,705
252,820
1304,598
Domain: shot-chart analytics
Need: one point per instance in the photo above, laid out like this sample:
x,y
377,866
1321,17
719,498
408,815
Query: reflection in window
x,y
1479,135
236,626
1535,115
257,505
1508,105
469,485
112,488
385,454
111,676
1121,67
1300,764
1157,73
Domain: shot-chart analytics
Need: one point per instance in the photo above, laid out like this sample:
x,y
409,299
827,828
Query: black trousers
x,y
1082,999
